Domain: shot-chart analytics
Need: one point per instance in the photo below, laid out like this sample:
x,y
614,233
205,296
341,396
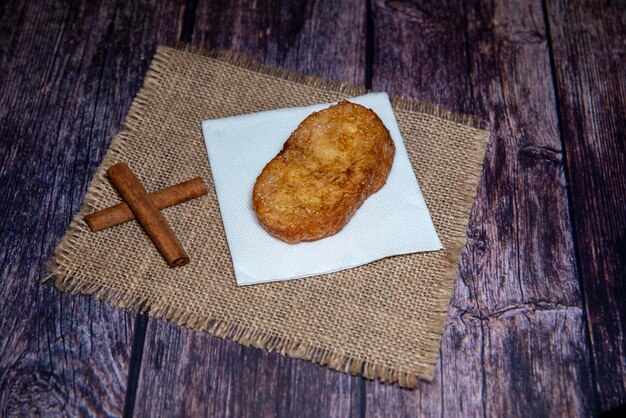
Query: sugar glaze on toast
x,y
334,160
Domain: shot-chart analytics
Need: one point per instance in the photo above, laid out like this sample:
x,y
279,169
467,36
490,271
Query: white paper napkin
x,y
393,221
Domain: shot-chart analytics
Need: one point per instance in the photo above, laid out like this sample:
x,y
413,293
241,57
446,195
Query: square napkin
x,y
393,221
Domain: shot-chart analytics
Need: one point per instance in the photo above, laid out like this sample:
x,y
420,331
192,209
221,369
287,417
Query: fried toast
x,y
334,160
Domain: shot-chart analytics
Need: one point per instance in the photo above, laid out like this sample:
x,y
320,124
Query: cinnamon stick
x,y
133,192
162,199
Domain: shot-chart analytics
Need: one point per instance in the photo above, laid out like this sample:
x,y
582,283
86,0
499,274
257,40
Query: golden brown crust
x,y
328,167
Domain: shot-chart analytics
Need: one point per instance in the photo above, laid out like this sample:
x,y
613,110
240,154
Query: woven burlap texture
x,y
383,320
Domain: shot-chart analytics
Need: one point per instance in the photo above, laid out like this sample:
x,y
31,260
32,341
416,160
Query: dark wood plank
x,y
535,364
319,38
588,42
420,51
450,394
515,340
69,71
214,377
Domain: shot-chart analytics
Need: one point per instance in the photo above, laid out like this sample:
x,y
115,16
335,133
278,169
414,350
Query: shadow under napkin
x,y
383,320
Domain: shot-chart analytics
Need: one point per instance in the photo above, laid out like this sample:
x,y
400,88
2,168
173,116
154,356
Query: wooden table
x,y
537,320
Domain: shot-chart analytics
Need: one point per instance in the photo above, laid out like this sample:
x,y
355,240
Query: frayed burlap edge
x,y
75,282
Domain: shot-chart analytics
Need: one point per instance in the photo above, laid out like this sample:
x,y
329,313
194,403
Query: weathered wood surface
x,y
536,325
589,47
68,72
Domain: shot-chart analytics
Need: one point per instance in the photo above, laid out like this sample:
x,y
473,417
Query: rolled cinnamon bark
x,y
162,199
133,192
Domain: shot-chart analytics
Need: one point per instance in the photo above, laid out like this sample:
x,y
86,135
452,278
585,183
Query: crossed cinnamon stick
x,y
146,209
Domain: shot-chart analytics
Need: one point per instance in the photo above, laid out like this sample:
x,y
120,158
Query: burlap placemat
x,y
383,320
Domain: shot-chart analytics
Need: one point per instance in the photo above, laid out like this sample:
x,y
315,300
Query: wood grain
x,y
589,49
535,364
69,71
322,38
215,377
492,60
187,373
537,319
450,394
